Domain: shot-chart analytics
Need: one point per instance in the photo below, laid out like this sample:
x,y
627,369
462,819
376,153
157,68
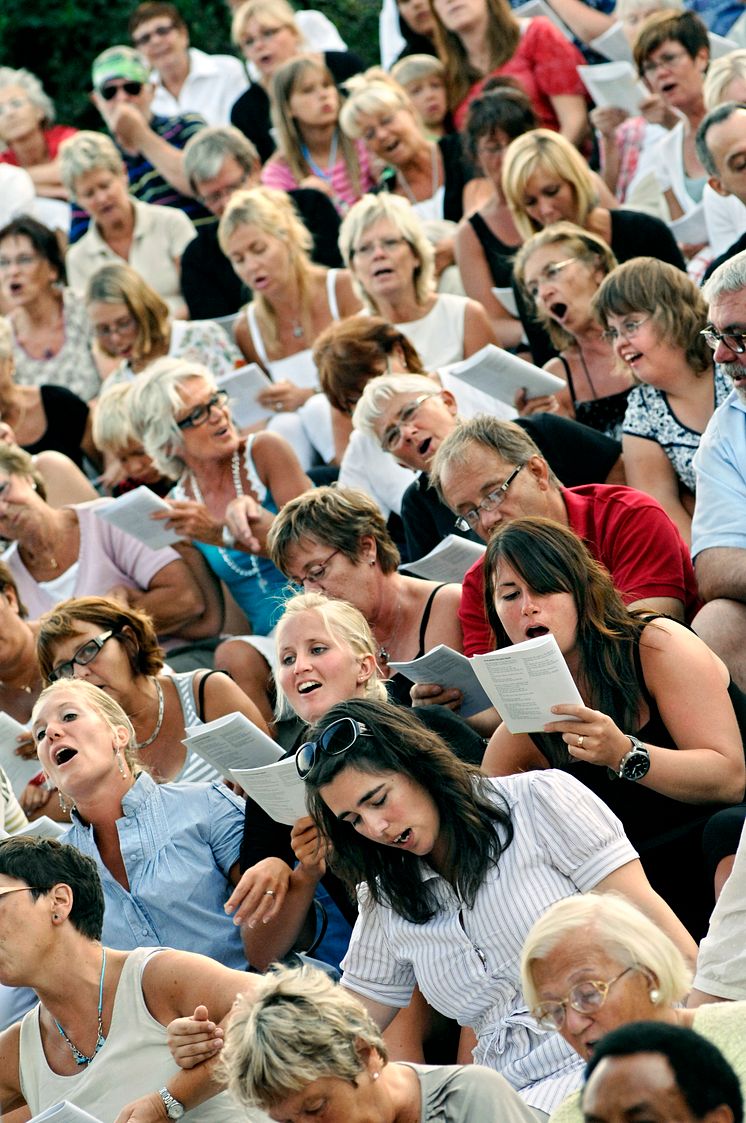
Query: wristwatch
x,y
174,1109
636,763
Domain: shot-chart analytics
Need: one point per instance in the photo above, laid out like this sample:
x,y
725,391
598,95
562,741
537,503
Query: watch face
x,y
175,1110
636,766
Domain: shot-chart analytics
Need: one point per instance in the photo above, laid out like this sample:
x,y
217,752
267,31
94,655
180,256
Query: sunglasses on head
x,y
108,93
336,739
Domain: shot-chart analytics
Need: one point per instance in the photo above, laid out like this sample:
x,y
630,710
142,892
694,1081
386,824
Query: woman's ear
x,y
367,550
367,668
60,898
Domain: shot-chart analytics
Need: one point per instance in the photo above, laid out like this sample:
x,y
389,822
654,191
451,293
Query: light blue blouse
x,y
178,842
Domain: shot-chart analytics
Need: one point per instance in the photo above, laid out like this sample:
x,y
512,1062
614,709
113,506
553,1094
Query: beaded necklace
x,y
253,570
80,1057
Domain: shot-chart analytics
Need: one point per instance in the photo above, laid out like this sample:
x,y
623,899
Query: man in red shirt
x,y
488,471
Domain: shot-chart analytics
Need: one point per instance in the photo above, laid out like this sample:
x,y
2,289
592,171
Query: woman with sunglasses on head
x,y
116,649
452,869
658,734
558,271
654,316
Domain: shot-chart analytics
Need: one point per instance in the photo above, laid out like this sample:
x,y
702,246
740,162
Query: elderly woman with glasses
x,y
594,963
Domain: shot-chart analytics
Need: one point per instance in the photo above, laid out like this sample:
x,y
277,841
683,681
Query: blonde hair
x,y
346,625
88,152
271,11
371,93
298,1027
413,68
273,212
153,405
612,924
112,425
104,706
372,208
119,283
721,72
541,148
289,133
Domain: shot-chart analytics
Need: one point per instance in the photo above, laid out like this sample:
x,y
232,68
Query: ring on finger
x,y
581,738
269,892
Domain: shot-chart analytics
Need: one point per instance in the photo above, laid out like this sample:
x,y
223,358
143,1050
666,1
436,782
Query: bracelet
x,y
229,540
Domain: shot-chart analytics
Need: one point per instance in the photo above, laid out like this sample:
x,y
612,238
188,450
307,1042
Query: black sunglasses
x,y
336,739
108,93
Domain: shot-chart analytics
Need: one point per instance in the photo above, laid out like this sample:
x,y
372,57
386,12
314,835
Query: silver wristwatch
x,y
636,763
174,1108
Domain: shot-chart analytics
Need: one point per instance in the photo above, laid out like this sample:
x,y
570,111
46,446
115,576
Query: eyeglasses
x,y
492,500
733,340
628,330
109,92
316,573
264,36
586,998
119,327
367,249
23,261
214,198
14,103
548,273
336,739
85,654
157,33
665,61
392,436
200,414
21,889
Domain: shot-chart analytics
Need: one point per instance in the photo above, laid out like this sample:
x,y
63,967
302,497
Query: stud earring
x,y
655,995
375,1075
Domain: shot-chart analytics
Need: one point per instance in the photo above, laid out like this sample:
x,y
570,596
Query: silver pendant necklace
x,y
159,720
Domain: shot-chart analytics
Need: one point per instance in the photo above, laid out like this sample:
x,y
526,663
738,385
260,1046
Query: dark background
x,y
58,39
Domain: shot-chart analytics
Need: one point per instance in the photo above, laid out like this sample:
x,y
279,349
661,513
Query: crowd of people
x,y
283,327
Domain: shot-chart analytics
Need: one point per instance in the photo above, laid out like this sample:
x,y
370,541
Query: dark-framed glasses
x,y
586,998
159,32
491,501
200,414
733,340
85,654
336,739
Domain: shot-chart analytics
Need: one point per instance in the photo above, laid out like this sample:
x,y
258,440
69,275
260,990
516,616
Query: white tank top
x,y
300,367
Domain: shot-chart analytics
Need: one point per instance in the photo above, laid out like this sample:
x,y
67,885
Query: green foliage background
x,y
58,39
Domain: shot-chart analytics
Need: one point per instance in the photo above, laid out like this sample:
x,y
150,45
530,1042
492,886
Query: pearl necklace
x,y
80,1057
159,721
253,570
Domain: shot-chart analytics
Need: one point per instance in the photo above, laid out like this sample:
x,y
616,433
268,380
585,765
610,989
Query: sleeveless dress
x,y
257,586
308,429
134,1061
498,256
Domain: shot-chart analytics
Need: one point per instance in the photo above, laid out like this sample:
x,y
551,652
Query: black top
x,y
498,256
208,281
457,172
251,113
67,416
633,234
576,454
605,414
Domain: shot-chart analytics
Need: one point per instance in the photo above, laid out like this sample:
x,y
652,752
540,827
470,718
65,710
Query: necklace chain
x,y
435,177
384,654
80,1057
159,721
253,570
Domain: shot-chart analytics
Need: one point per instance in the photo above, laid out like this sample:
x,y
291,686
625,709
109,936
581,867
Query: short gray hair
x,y
300,1027
504,438
153,407
716,116
379,392
88,152
6,339
205,152
720,73
372,208
33,90
728,277
612,924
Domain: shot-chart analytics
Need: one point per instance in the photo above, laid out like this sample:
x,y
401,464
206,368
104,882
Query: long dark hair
x,y
475,828
551,558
